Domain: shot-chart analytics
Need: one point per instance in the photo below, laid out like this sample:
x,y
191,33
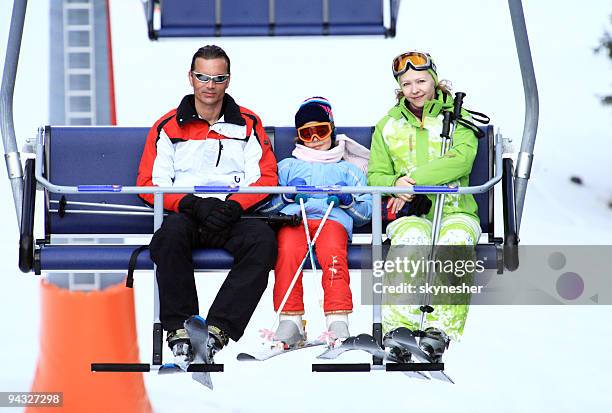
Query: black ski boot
x,y
217,339
434,342
179,343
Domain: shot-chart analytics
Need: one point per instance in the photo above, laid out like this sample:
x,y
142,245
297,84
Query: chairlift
x,y
88,180
237,18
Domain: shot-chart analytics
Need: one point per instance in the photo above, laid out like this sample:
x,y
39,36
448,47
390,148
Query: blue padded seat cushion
x,y
117,257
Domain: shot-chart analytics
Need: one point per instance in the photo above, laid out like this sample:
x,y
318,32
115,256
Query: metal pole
x,y
376,257
7,128
158,218
525,156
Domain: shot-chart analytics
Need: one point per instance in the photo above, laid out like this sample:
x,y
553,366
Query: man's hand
x,y
345,199
223,216
405,181
288,198
198,208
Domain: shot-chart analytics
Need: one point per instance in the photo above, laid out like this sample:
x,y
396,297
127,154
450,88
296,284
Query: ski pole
x,y
449,125
312,262
297,273
120,209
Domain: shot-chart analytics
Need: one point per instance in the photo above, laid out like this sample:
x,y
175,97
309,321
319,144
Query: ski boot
x,y
179,343
217,339
289,332
434,342
337,328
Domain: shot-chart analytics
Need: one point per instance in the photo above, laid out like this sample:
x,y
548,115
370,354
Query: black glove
x,y
213,239
198,208
223,216
420,205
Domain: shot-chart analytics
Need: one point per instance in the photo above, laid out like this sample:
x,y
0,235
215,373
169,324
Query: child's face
x,y
320,143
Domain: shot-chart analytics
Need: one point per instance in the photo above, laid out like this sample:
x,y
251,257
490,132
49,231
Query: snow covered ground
x,y
511,359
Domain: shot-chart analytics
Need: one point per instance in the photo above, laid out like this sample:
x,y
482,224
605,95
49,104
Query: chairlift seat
x,y
111,155
210,18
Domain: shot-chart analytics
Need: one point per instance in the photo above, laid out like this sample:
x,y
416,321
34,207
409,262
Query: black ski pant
x,y
253,245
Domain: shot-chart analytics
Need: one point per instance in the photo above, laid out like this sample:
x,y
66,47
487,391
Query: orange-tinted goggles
x,y
414,60
321,130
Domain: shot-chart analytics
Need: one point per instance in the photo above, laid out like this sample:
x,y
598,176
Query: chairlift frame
x,y
514,188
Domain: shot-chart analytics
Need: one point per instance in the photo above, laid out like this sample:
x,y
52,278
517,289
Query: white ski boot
x,y
179,343
337,326
434,343
290,331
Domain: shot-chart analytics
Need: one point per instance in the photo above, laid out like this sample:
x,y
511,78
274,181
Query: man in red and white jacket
x,y
209,140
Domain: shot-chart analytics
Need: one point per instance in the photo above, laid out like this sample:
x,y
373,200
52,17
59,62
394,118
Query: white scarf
x,y
346,148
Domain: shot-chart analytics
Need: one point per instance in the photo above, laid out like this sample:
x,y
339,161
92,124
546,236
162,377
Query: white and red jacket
x,y
184,150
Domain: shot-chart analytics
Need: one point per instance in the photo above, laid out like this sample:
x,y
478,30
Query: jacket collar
x,y
432,107
230,111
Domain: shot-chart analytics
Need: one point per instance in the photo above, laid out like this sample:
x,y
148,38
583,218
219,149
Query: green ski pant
x,y
456,229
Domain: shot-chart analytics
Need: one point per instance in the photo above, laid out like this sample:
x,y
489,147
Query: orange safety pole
x,y
80,328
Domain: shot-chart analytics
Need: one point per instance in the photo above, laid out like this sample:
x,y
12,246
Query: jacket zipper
x,y
219,156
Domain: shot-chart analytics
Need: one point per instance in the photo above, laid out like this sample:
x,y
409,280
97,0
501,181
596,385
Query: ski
x,y
367,343
198,334
364,342
274,351
402,342
401,356
172,368
416,375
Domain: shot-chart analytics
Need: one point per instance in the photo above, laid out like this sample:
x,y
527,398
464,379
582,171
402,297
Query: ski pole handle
x,y
446,125
302,198
458,102
333,199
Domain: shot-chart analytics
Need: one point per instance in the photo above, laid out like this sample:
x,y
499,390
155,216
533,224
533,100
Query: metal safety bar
x,y
119,189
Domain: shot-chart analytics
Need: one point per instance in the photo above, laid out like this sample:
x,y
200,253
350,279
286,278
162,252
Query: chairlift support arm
x,y
7,127
530,87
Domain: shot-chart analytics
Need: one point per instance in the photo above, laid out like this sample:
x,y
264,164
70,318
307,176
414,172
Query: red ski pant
x,y
330,250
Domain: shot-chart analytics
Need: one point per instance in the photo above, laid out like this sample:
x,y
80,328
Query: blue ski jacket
x,y
317,173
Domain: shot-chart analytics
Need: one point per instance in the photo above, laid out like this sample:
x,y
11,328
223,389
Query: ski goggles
x,y
414,60
204,78
321,130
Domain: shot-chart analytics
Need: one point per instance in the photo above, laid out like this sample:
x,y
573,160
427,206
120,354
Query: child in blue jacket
x,y
320,158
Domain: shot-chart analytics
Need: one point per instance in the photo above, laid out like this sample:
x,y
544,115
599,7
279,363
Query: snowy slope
x,y
511,359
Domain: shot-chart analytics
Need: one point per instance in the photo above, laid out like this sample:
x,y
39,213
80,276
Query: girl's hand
x,y
405,181
395,205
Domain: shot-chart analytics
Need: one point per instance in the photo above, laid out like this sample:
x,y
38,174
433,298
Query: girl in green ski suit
x,y
405,151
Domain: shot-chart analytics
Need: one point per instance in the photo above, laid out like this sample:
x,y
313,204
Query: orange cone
x,y
80,328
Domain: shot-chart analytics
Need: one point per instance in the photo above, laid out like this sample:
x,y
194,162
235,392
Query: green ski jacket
x,y
402,145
